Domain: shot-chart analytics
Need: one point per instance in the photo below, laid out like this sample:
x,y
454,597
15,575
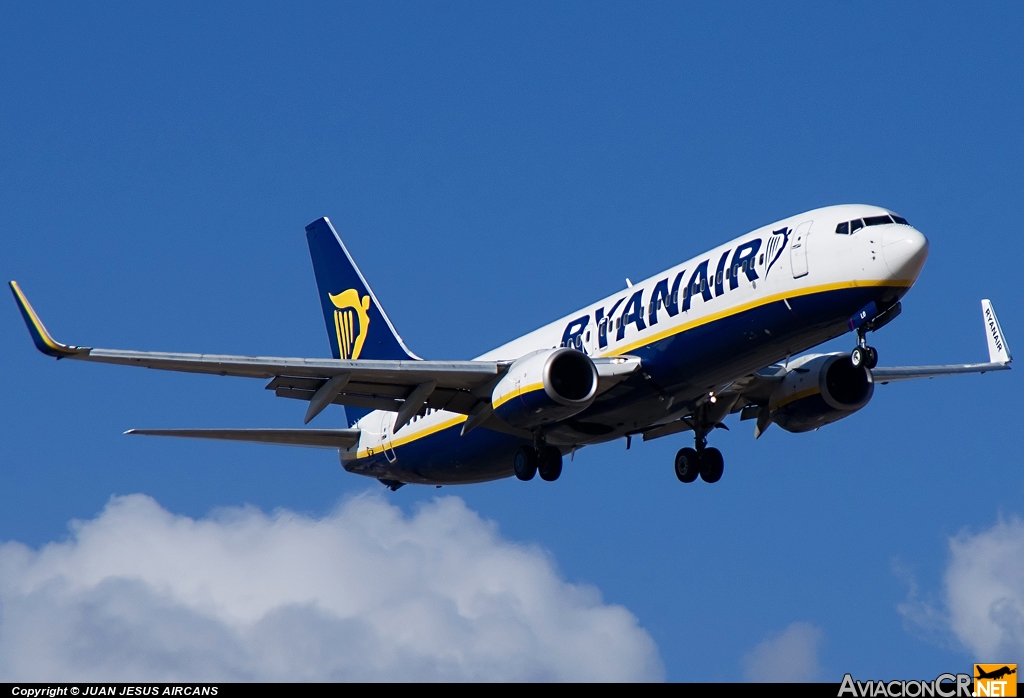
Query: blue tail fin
x,y
357,326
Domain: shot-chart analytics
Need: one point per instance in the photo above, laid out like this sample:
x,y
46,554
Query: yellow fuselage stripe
x,y
735,310
657,337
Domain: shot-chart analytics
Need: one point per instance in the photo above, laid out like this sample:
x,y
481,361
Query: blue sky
x,y
492,168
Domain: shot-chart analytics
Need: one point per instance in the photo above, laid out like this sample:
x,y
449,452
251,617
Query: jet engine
x,y
546,386
822,389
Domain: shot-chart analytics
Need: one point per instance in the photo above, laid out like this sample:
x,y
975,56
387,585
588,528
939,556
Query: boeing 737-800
x,y
719,334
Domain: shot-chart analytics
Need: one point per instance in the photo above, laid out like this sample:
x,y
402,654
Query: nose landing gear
x,y
862,354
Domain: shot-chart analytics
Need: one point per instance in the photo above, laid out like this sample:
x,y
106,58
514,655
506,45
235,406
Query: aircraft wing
x,y
405,387
750,394
456,386
998,356
317,438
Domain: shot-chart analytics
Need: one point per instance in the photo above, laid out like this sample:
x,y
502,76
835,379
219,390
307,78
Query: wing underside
x,y
341,439
408,387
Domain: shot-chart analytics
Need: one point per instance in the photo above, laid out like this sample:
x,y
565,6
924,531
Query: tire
x,y
687,465
550,463
858,356
871,360
524,463
711,465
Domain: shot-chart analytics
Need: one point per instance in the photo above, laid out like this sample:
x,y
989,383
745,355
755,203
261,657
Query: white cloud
x,y
985,591
364,593
791,655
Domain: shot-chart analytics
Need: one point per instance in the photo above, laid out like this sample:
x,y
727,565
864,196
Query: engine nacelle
x,y
546,386
820,390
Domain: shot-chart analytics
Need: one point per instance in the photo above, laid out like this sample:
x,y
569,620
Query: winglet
x,y
43,341
998,350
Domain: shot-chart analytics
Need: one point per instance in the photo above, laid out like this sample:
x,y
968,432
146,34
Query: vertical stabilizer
x,y
357,326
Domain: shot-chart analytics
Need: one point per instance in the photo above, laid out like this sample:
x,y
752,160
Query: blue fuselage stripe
x,y
681,365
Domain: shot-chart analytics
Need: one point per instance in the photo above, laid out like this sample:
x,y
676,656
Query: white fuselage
x,y
793,260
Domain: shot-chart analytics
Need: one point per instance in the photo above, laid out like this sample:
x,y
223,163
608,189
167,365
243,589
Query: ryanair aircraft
x,y
679,352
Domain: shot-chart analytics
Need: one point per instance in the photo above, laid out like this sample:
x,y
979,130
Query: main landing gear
x,y
862,354
546,460
705,462
701,461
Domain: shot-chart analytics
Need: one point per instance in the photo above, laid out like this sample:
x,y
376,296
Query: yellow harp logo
x,y
351,321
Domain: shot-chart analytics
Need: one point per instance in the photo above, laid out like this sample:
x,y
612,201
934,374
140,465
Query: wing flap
x,y
464,375
317,438
396,377
893,374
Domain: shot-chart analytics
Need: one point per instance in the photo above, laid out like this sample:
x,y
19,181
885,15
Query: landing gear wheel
x,y
524,463
872,357
687,465
550,463
864,356
711,465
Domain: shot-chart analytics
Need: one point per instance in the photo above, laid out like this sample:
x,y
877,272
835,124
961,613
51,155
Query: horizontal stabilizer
x,y
317,438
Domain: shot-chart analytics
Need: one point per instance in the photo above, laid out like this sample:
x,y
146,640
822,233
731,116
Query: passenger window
x,y
900,219
843,228
878,220
856,225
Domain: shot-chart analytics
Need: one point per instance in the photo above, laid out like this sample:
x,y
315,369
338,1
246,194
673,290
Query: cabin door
x,y
387,423
798,249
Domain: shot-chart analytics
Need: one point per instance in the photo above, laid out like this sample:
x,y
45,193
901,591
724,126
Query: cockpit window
x,y
851,227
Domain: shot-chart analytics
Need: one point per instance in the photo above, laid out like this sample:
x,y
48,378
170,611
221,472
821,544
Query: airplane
x,y
997,674
719,334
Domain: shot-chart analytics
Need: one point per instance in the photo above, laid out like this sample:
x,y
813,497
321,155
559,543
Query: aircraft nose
x,y
904,249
